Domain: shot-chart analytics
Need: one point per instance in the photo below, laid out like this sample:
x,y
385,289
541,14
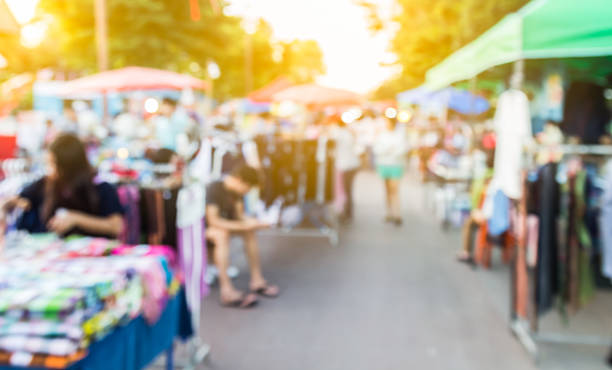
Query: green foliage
x,y
158,34
302,61
430,30
161,34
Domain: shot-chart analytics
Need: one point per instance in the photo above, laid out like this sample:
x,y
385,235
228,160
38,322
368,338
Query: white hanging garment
x,y
513,130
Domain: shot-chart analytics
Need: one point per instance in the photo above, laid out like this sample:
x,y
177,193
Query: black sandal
x,y
244,302
264,291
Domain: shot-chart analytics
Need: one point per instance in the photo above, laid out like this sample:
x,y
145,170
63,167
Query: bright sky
x,y
23,10
351,53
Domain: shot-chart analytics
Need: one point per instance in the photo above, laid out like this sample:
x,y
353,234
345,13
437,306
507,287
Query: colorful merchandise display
x,y
59,296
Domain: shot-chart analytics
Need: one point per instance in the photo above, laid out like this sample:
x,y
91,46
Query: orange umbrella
x,y
313,95
133,78
266,93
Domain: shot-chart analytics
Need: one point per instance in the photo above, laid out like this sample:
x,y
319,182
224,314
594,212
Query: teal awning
x,y
543,29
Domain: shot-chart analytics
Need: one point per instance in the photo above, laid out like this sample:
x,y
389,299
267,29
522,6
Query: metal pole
x,y
102,47
248,64
101,34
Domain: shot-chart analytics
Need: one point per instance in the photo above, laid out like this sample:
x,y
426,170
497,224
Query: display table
x,y
137,344
89,304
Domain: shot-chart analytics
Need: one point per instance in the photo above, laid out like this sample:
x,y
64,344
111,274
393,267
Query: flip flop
x,y
265,291
244,302
467,260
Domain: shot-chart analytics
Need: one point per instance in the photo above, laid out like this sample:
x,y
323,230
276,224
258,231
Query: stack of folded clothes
x,y
58,296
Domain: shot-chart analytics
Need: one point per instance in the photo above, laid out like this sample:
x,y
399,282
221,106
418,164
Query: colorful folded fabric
x,y
24,359
49,346
41,328
56,297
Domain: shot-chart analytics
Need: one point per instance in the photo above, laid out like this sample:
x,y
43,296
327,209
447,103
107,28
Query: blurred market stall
x,y
555,56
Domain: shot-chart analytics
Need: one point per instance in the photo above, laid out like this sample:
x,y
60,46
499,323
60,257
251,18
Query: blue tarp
x,y
458,100
416,96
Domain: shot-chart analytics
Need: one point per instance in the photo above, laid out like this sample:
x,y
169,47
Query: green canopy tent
x,y
543,29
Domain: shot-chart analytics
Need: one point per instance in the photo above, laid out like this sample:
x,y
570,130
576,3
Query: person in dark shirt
x,y
225,218
67,201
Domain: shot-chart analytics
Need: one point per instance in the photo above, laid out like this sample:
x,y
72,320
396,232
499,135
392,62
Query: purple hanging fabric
x,y
193,259
129,197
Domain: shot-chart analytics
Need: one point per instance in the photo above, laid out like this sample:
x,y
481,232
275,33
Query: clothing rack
x,y
332,232
602,150
198,350
527,330
224,143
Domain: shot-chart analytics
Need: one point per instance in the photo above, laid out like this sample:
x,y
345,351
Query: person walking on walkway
x,y
347,163
389,151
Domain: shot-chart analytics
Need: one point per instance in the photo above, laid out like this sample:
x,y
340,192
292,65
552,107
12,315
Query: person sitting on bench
x,y
225,218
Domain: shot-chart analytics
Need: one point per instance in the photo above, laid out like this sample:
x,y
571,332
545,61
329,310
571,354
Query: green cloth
x,y
478,187
586,278
543,29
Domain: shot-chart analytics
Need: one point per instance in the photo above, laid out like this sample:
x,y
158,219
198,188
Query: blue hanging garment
x,y
499,222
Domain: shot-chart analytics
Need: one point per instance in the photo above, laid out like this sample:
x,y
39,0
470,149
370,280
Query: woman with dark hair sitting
x,y
67,201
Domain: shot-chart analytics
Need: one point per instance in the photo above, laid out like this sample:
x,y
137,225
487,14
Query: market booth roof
x,y
543,29
266,93
314,95
461,101
131,79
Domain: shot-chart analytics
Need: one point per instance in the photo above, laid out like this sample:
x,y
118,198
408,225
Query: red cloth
x,y
489,141
8,147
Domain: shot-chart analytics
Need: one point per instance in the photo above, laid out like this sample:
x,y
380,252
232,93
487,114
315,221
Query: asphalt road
x,y
386,298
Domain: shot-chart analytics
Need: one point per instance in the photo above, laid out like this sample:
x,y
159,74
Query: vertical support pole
x,y
472,89
248,64
102,47
101,34
518,75
516,80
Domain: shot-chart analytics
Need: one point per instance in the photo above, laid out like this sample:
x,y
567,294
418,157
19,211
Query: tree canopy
x,y
430,30
162,34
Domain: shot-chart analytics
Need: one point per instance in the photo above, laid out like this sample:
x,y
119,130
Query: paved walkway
x,y
385,299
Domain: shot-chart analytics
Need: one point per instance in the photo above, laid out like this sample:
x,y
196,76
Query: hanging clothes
x,y
158,216
547,200
605,222
201,167
129,197
586,284
191,206
513,131
499,222
585,114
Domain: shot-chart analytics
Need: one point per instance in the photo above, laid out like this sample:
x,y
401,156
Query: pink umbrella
x,y
313,95
265,94
132,78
